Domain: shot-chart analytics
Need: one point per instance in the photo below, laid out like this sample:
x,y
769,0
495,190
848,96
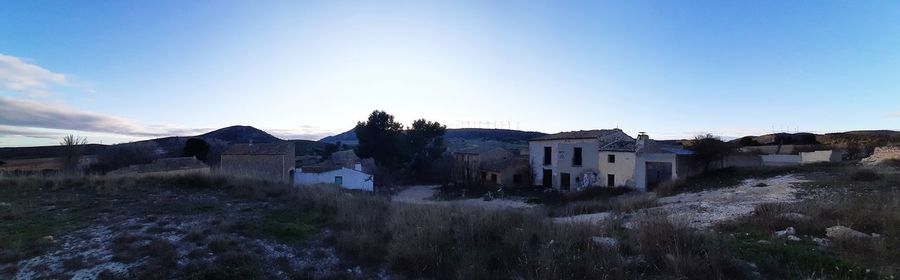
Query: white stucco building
x,y
347,178
659,162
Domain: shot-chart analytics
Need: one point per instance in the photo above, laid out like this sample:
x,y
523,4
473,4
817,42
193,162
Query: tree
x,y
73,147
397,151
196,147
426,144
380,138
709,148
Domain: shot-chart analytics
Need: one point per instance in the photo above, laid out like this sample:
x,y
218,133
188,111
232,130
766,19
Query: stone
x,y
605,242
786,232
844,233
820,241
793,238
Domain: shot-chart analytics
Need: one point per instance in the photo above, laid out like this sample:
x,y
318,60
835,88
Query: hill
x,y
503,135
837,139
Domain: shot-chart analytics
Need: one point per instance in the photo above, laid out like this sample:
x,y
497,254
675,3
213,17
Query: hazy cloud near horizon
x,y
30,111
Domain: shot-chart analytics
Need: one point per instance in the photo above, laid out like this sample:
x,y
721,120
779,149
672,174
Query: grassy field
x,y
208,227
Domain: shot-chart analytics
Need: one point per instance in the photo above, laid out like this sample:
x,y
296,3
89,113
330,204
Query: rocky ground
x,y
166,234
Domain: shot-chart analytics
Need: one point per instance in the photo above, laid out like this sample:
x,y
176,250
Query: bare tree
x,y
73,147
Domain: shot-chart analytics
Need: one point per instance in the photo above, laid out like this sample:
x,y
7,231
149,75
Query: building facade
x,y
571,160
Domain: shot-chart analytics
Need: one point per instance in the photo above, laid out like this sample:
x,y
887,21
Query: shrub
x,y
864,175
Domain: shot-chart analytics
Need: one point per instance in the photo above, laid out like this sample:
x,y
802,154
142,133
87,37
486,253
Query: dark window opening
x,y
483,175
564,181
611,180
517,179
611,158
576,157
494,178
547,156
338,180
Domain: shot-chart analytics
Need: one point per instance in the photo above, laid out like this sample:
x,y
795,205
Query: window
x,y
611,158
517,179
483,175
547,156
494,178
576,157
338,180
611,180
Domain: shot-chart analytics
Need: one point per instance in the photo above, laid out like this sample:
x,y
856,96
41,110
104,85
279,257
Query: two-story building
x,y
572,160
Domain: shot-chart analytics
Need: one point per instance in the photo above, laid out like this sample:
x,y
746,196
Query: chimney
x,y
641,141
357,167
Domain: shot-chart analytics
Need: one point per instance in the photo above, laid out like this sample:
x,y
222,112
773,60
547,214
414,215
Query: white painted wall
x,y
622,169
780,160
640,170
561,159
352,179
821,156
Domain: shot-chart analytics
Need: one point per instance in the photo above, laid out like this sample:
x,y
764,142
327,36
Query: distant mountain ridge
x,y
505,135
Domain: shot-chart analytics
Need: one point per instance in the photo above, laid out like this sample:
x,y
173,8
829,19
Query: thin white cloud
x,y
894,115
29,132
16,112
306,132
19,76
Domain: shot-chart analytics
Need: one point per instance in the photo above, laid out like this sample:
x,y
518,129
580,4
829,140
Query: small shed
x,y
354,179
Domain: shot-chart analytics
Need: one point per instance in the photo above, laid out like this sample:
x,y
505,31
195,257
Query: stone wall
x,y
882,154
266,167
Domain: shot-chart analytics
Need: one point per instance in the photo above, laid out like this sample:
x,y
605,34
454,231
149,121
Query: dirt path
x,y
704,209
424,194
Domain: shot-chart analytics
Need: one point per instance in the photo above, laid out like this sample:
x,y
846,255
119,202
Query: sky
x,y
119,71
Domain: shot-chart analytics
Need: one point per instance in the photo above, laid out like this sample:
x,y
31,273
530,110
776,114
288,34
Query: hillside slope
x,y
504,135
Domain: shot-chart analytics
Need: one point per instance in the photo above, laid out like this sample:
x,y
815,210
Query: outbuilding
x,y
354,179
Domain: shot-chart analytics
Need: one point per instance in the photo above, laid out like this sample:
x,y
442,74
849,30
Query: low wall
x,y
821,156
780,160
882,154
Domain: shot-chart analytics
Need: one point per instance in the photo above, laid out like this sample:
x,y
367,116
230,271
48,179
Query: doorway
x,y
548,178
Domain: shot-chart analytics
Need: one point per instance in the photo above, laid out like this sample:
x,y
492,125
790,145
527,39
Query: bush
x,y
864,175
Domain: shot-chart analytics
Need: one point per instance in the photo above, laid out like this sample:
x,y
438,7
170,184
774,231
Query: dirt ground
x,y
704,209
425,194
164,234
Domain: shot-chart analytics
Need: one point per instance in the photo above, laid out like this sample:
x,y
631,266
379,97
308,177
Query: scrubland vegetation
x,y
210,227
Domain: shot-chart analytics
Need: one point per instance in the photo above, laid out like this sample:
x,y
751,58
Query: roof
x,y
259,149
619,146
477,150
319,168
652,146
581,134
501,165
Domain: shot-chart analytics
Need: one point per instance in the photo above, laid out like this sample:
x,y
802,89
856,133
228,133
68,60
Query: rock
x,y
820,241
605,242
48,238
844,233
875,235
794,217
793,238
786,232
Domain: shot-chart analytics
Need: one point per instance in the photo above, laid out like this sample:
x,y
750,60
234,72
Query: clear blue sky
x,y
125,70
